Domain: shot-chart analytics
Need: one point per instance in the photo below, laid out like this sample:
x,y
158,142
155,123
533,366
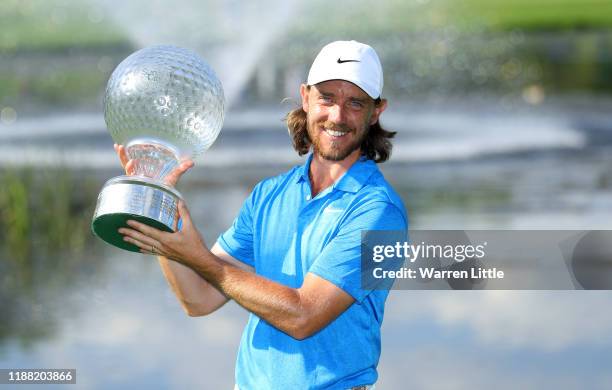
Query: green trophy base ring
x,y
141,199
106,226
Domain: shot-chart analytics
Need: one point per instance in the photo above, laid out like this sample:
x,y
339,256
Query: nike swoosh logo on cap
x,y
340,61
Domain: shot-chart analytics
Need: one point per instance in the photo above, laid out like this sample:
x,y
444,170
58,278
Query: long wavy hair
x,y
376,145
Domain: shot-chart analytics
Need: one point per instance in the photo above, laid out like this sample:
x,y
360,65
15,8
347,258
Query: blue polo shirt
x,y
284,234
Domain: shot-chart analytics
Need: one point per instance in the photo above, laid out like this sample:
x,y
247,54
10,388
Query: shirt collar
x,y
352,181
303,170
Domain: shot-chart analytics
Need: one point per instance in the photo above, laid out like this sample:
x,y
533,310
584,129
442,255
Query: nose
x,y
336,114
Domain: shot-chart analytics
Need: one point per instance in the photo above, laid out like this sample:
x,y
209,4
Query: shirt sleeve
x,y
340,261
237,241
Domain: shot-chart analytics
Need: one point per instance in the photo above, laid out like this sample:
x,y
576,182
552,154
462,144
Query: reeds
x,y
45,246
44,211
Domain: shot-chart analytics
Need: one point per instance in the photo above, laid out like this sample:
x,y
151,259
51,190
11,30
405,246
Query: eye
x,y
325,99
356,105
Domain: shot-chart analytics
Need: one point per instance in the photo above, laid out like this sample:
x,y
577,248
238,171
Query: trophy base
x,y
141,199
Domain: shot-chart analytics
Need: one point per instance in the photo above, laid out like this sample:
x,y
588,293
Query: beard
x,y
337,150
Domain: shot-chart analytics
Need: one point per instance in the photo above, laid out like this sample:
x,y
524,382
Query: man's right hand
x,y
170,180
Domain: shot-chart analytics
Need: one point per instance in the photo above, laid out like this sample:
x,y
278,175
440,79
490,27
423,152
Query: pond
x,y
111,315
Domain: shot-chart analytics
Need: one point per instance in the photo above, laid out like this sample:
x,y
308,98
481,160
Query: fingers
x,y
185,165
130,167
184,214
148,249
137,238
144,248
123,157
144,242
146,230
174,176
127,164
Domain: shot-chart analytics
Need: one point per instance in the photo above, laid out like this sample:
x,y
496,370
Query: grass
x,y
362,19
61,24
535,15
55,25
44,212
58,86
45,247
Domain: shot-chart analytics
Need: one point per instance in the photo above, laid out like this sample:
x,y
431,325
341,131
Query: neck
x,y
323,173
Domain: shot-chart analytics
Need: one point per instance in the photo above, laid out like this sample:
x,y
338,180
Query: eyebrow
x,y
360,100
357,99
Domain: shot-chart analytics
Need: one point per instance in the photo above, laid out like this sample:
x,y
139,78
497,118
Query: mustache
x,y
327,125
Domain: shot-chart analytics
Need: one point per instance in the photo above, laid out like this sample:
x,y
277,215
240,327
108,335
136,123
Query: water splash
x,y
230,35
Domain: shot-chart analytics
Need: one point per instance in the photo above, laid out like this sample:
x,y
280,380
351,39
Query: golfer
x,y
292,256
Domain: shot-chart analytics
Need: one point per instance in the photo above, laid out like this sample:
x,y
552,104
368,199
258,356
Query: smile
x,y
335,134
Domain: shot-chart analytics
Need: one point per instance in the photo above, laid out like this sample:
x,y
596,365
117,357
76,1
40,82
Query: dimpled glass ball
x,y
167,94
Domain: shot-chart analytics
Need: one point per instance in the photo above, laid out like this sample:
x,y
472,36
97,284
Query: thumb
x,y
176,174
130,167
184,218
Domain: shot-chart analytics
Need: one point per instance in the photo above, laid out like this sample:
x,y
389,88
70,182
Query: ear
x,y
304,91
377,111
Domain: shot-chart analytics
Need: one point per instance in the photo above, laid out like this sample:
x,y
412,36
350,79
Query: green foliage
x,y
44,212
44,231
15,213
61,24
56,87
363,19
54,24
534,15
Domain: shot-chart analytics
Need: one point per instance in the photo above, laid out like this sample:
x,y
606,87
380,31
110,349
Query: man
x,y
292,257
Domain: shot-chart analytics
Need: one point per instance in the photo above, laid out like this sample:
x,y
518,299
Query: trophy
x,y
165,105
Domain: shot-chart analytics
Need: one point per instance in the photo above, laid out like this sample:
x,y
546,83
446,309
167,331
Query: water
x,y
131,338
503,161
230,35
456,165
452,131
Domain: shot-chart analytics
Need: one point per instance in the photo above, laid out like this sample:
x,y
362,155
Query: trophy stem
x,y
153,158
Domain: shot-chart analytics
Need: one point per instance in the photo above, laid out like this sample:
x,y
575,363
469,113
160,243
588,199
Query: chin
x,y
334,158
335,155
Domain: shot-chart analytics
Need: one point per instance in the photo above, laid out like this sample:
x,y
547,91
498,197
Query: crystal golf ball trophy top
x,y
165,105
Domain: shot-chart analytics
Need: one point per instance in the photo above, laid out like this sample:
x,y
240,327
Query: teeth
x,y
334,133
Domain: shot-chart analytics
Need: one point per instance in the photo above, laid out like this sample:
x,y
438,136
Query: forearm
x,y
196,295
297,312
279,305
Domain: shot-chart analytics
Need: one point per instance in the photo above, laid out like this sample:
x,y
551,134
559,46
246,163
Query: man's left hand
x,y
185,246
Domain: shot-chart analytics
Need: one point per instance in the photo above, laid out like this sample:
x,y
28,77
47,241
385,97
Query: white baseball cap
x,y
351,61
